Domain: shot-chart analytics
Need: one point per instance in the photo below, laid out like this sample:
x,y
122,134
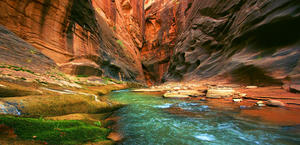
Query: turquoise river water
x,y
148,119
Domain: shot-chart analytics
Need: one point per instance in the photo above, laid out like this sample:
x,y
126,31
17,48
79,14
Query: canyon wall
x,y
77,35
160,36
125,18
245,41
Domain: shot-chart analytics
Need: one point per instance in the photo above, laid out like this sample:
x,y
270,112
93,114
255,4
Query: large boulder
x,y
220,93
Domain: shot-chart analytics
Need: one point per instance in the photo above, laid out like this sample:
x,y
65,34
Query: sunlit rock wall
x,y
76,35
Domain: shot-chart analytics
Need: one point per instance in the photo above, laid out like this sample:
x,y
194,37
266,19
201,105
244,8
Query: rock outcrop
x,y
76,35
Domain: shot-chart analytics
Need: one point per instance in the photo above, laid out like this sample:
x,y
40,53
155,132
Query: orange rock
x,y
115,136
275,103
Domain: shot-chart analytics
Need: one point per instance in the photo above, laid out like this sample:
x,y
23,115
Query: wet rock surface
x,y
6,108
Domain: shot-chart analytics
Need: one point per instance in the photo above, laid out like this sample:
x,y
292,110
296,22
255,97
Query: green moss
x,y
120,42
16,68
98,123
82,76
54,132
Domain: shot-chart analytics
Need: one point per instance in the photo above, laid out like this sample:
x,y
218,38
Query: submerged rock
x,y
275,103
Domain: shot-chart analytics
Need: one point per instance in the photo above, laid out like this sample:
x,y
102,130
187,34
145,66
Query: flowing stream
x,y
149,119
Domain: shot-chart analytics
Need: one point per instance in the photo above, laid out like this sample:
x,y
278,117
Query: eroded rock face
x,y
75,34
246,41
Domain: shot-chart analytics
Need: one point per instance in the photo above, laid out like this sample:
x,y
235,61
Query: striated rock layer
x,y
77,36
19,54
246,41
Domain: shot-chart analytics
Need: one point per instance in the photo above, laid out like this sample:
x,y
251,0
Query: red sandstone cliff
x,y
81,36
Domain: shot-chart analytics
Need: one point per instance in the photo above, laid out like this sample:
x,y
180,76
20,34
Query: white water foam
x,y
168,105
206,137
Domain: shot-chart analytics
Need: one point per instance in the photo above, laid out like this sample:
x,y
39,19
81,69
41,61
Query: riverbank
x,y
55,108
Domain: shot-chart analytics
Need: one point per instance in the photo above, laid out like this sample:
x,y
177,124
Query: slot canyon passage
x,y
149,72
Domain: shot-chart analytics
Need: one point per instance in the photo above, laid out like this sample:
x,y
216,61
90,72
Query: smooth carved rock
x,y
239,39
